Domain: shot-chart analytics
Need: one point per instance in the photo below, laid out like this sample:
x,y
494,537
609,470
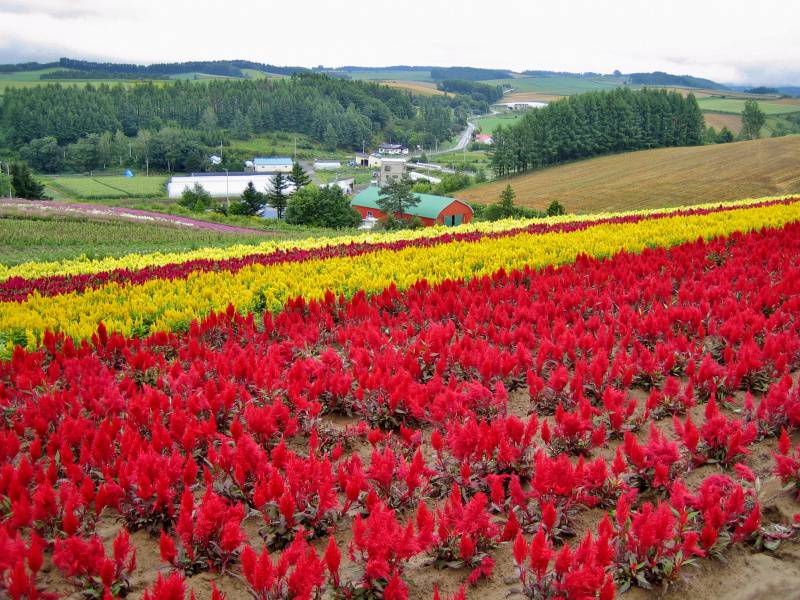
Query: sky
x,y
731,41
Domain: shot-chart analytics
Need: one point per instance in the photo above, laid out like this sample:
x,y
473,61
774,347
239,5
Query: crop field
x,y
572,407
490,123
110,186
734,105
25,238
563,86
416,87
720,120
32,78
657,178
388,75
283,144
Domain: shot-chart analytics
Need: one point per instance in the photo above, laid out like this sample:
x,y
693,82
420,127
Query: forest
x,y
597,123
79,123
481,92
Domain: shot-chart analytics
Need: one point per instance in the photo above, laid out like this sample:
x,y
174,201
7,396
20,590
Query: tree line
x,y
597,123
482,92
340,112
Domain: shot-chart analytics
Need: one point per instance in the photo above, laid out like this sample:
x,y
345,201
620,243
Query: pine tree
x,y
23,183
507,196
298,176
396,198
277,197
252,202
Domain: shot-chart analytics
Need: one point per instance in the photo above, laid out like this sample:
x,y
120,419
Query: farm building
x,y
431,210
277,164
423,177
484,138
327,165
372,161
346,185
392,169
220,185
392,149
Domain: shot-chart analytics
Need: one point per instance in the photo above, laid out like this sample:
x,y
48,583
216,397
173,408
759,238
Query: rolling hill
x,y
658,178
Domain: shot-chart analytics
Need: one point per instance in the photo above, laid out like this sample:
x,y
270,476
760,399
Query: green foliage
x,y
196,198
251,203
325,207
6,189
396,197
555,209
277,197
753,119
43,154
298,176
451,183
725,136
480,92
24,184
596,123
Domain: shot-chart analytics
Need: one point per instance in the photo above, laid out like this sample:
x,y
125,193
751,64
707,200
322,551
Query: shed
x,y
431,210
327,165
276,164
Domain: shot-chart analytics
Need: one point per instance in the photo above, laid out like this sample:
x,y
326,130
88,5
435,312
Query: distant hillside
x,y
665,79
82,69
467,74
658,178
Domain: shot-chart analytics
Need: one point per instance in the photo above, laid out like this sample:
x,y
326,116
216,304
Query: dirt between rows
x,y
742,574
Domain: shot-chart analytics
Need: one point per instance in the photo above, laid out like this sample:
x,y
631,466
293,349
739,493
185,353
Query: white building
x,y
220,185
392,169
392,150
346,185
422,177
277,164
327,165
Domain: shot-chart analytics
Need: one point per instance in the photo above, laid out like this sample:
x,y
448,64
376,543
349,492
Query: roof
x,y
391,146
278,160
429,206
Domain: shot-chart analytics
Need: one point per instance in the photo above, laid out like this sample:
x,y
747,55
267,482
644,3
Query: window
x,y
369,213
387,168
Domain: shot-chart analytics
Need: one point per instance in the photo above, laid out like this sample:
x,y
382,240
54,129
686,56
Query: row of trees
x,y
337,112
19,182
597,123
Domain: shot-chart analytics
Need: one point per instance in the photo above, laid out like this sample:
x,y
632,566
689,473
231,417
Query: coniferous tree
x,y
396,198
507,196
251,203
277,197
298,176
24,184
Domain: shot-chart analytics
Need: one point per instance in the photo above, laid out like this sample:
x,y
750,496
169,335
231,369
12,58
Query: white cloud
x,y
730,40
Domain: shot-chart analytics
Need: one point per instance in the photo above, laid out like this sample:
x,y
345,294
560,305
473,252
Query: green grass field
x,y
24,238
736,106
565,86
380,74
282,144
78,187
489,124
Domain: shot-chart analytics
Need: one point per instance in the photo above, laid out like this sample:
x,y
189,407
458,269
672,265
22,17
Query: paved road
x,y
131,214
462,142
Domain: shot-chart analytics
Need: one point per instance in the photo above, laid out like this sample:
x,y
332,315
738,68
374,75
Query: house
x,y
346,185
221,185
392,150
391,169
484,138
374,161
362,159
327,165
431,210
276,164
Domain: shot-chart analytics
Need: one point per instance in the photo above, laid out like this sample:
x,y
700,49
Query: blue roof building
x,y
272,164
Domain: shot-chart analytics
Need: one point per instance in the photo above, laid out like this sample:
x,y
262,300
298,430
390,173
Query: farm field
x,y
733,105
25,237
389,75
720,120
283,144
657,178
568,407
416,87
107,186
489,124
563,86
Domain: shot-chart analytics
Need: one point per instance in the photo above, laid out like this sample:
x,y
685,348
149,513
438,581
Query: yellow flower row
x,y
158,305
33,270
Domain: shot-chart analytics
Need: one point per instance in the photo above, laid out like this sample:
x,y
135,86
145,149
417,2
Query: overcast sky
x,y
752,41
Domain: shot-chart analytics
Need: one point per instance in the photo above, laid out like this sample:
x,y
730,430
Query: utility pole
x,y
227,197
